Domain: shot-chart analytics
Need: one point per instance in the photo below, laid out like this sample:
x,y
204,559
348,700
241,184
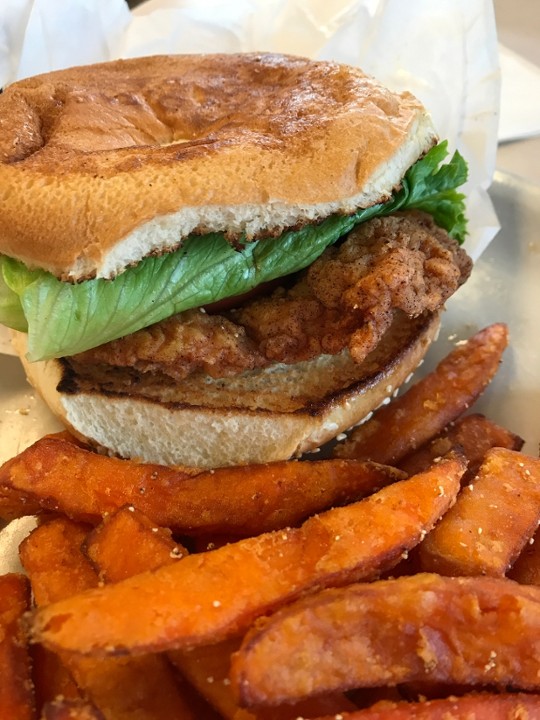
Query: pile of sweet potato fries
x,y
398,579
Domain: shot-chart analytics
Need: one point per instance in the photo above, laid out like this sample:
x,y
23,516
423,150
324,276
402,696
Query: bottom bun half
x,y
263,416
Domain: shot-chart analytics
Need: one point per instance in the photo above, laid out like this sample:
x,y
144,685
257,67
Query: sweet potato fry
x,y
57,567
241,500
492,520
54,563
16,691
206,668
473,631
14,505
470,707
152,546
130,528
526,569
396,429
70,710
474,434
51,677
201,599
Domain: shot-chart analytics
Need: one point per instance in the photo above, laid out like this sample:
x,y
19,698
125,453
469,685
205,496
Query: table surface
x,y
518,24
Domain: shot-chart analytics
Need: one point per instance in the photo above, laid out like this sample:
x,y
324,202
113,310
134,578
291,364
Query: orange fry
x,y
492,520
206,668
54,563
474,434
470,707
396,429
526,569
203,599
57,567
14,505
471,631
152,546
16,691
239,500
131,528
51,677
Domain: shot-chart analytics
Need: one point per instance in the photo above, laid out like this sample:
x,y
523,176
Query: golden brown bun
x,y
103,165
259,417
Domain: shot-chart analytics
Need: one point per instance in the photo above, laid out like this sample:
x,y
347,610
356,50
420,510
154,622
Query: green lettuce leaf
x,y
63,318
432,187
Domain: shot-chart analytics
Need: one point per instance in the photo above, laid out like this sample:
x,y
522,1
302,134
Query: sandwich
x,y
222,259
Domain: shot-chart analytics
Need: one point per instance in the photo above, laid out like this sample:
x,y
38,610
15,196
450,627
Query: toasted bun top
x,y
103,165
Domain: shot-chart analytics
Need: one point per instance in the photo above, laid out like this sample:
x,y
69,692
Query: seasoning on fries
x,y
475,434
124,584
128,528
238,501
336,547
396,429
57,567
492,520
472,631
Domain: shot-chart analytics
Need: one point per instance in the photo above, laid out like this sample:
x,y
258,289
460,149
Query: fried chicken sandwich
x,y
222,259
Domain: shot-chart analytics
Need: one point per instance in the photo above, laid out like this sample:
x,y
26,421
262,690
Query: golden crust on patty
x,y
346,299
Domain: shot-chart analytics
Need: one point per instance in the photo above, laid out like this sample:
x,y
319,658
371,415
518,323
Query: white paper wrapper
x,y
10,538
520,97
45,35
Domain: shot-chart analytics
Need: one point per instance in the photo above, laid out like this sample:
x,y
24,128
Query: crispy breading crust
x,y
346,299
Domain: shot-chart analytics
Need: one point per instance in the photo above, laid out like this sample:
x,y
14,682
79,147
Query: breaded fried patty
x,y
346,299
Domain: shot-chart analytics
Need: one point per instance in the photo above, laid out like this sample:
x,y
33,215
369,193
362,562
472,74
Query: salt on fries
x,y
475,434
154,611
127,528
56,565
472,541
416,628
291,614
237,501
427,407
